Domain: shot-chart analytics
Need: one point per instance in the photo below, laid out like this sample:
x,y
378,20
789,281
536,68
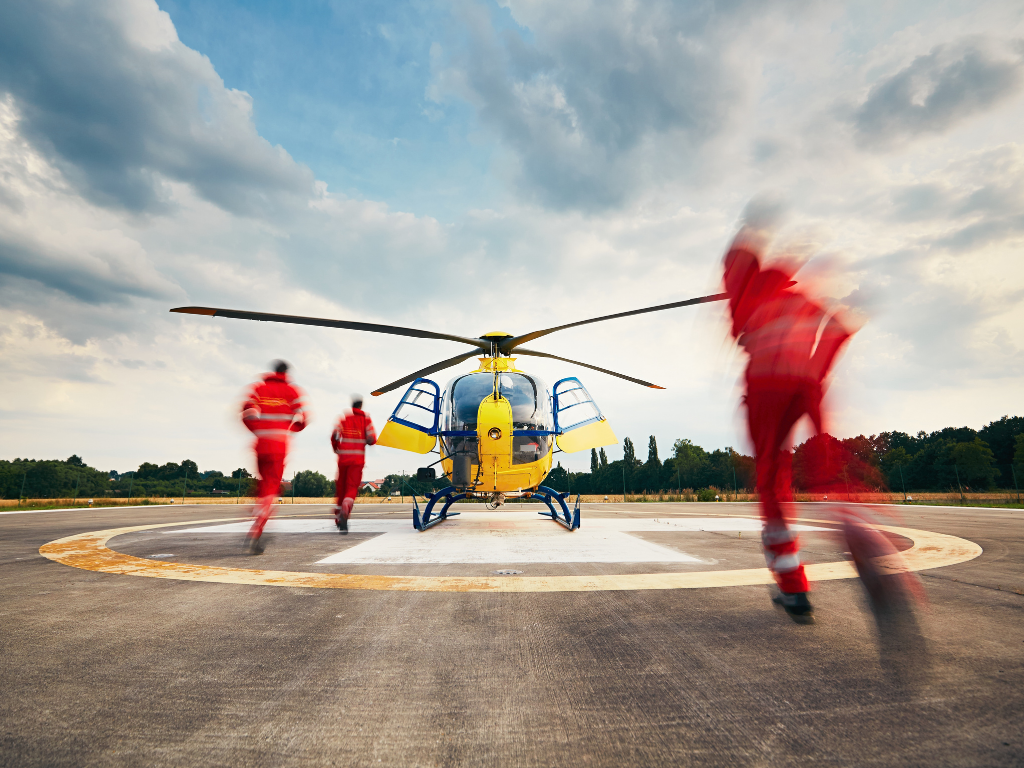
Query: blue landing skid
x,y
572,522
428,518
449,495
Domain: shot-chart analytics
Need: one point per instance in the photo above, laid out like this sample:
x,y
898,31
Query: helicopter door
x,y
579,423
413,425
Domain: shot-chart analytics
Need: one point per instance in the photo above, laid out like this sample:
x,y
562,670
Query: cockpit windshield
x,y
531,410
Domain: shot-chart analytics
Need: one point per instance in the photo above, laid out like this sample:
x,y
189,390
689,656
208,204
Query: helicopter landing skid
x,y
564,518
426,521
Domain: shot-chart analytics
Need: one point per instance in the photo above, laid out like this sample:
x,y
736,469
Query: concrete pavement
x,y
107,669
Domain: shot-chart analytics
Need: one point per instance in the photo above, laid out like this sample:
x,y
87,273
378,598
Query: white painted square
x,y
505,537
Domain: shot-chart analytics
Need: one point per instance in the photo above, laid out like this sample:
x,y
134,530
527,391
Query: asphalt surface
x,y
107,669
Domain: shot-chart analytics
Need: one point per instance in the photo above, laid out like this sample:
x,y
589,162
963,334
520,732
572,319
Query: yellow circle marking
x,y
90,552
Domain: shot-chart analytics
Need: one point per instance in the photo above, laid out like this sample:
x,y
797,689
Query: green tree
x,y
1018,455
652,452
628,453
604,457
557,479
311,484
594,461
692,464
1002,437
894,463
974,463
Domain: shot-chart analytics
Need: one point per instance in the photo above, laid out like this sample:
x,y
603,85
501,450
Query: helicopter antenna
x,y
495,391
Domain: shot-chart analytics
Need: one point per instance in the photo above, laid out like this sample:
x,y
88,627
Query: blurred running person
x,y
272,411
792,343
349,440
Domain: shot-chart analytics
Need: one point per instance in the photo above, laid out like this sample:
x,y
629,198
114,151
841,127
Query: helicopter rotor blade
x,y
394,330
641,382
509,344
424,372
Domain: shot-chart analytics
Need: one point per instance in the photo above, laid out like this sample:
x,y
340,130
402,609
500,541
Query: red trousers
x,y
773,409
349,478
271,470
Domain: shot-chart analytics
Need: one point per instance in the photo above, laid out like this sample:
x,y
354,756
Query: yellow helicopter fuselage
x,y
497,470
497,429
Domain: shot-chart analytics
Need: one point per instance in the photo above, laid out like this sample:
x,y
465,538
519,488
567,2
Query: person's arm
x,y
833,337
299,416
370,434
251,412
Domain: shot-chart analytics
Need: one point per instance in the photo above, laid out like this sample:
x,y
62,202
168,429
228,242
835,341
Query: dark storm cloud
x,y
937,91
119,110
587,99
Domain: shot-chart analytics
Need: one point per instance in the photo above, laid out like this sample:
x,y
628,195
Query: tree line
x,y
690,467
73,478
947,459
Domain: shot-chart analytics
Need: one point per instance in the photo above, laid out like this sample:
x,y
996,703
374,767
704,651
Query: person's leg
x,y
340,518
271,469
771,415
339,486
353,477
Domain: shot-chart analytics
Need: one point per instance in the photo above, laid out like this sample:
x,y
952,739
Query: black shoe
x,y
342,522
796,605
255,545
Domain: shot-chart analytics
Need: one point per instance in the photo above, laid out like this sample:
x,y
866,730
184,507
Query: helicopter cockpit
x,y
531,412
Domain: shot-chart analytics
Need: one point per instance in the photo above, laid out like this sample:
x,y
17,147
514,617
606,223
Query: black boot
x,y
340,520
796,605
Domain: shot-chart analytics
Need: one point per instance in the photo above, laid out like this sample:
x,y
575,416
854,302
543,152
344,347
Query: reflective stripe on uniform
x,y
785,563
772,535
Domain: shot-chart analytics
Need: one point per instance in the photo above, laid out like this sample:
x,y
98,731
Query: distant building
x,y
371,485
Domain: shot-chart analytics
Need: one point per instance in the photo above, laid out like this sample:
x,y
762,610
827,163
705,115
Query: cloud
x,y
938,91
628,138
974,202
592,99
108,93
57,251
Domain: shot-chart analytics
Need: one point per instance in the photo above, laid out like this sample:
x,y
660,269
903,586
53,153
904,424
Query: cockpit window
x,y
531,410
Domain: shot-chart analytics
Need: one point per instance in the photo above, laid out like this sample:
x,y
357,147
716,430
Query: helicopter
x,y
498,426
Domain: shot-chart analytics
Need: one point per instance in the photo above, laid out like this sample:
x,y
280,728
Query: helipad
x,y
499,538
504,663
507,537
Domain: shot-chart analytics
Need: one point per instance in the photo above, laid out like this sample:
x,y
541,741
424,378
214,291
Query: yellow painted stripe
x,y
90,552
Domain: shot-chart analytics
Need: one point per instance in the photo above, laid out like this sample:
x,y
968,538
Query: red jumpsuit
x,y
349,440
272,411
791,342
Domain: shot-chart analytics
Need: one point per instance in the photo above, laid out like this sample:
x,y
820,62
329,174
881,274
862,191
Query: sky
x,y
467,167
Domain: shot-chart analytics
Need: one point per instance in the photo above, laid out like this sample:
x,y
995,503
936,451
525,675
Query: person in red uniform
x,y
349,440
272,411
792,343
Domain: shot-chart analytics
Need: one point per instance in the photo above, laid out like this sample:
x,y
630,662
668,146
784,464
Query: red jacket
x,y
791,340
350,438
272,411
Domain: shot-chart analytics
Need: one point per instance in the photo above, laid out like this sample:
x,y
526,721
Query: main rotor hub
x,y
497,365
